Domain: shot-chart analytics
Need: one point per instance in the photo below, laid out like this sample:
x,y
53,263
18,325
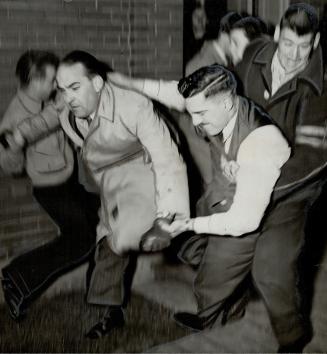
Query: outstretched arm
x,y
163,91
260,158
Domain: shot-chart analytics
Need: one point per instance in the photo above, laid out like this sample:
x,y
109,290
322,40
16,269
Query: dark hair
x,y
228,21
213,79
254,27
33,64
302,18
92,65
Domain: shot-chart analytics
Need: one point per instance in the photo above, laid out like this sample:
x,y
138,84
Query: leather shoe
x,y
156,239
15,300
114,319
189,320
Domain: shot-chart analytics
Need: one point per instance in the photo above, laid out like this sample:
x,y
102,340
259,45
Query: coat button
x,y
266,95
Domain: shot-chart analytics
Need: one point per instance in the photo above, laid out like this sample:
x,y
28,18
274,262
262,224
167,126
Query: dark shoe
x,y
15,300
113,319
156,239
189,320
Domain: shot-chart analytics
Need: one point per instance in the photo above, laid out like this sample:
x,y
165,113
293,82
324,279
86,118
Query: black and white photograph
x,y
163,176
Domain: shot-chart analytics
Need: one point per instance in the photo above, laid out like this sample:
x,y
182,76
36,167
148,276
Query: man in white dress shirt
x,y
247,153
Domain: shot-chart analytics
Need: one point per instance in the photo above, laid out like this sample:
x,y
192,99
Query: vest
x,y
219,193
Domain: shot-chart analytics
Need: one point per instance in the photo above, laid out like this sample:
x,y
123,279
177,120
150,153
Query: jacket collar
x,y
312,74
106,107
30,105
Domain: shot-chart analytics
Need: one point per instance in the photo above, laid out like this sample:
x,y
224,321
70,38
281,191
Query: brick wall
x,y
138,37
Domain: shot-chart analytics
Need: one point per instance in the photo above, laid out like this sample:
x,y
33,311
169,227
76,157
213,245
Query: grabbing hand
x,y
178,226
156,238
12,140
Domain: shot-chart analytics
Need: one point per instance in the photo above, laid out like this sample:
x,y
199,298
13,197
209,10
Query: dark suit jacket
x,y
289,106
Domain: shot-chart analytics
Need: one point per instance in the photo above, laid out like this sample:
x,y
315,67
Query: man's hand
x,y
178,226
59,102
13,141
11,162
156,238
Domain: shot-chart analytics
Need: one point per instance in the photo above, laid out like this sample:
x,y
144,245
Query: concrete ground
x,y
171,285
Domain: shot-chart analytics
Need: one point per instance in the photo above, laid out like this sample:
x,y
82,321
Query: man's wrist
x,y
190,224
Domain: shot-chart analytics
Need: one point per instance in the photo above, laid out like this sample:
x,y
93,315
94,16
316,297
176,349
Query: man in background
x,y
50,166
217,50
235,33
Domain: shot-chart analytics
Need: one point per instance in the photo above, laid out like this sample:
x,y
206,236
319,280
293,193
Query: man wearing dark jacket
x,y
287,75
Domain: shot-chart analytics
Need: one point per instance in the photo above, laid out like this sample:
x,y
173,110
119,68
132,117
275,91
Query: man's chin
x,y
211,132
292,66
78,113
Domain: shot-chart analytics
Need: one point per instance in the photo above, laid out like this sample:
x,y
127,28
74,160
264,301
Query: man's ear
x,y
228,103
277,33
97,82
316,41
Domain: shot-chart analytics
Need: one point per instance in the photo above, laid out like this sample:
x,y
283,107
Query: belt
x,y
125,159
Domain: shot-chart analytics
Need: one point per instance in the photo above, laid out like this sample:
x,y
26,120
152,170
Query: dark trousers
x,y
270,255
108,285
75,212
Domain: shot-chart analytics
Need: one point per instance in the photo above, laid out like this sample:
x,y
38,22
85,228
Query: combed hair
x,y
227,21
254,27
32,64
212,79
301,18
92,65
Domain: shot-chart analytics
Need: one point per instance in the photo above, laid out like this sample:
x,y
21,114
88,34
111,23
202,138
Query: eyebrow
x,y
197,112
290,40
69,86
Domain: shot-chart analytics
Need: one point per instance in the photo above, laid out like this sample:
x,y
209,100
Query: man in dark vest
x,y
247,153
282,77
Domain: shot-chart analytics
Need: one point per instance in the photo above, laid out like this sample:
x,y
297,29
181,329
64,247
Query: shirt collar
x,y
106,106
228,130
31,106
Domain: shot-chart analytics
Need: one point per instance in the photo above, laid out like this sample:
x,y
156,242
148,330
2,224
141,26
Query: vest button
x,y
266,95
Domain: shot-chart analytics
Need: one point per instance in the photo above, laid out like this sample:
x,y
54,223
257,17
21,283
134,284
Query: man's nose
x,y
294,53
68,97
196,120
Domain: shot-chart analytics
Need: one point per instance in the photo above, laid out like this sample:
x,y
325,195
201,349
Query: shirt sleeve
x,y
260,158
38,126
172,194
165,92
